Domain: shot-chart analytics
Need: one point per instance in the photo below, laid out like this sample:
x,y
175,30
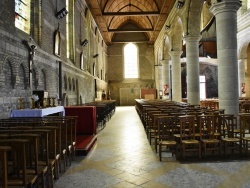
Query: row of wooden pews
x,y
36,150
104,111
187,130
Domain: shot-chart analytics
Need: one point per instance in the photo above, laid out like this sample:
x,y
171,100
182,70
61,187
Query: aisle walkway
x,y
123,157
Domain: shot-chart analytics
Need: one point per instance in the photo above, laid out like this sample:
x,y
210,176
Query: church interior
x,y
94,64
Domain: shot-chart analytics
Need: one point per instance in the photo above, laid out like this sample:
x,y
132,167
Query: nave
x,y
123,157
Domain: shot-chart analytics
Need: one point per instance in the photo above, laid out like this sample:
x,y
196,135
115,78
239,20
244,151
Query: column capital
x,y
192,38
164,61
225,6
175,53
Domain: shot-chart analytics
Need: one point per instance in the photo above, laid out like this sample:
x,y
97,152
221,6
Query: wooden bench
x,y
85,128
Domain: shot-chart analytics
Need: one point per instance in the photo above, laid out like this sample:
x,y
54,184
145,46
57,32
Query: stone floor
x,y
123,157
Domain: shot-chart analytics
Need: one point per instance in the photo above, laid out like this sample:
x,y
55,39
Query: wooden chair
x,y
155,127
47,142
61,141
229,139
19,162
32,154
188,140
145,115
150,129
245,131
4,173
207,137
166,125
245,107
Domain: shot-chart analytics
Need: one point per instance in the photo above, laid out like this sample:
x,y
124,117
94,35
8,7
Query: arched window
x,y
131,61
70,30
22,15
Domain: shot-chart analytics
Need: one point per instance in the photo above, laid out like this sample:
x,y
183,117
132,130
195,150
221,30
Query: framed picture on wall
x,y
81,61
57,43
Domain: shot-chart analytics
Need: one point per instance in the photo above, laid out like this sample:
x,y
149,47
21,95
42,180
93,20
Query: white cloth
x,y
37,112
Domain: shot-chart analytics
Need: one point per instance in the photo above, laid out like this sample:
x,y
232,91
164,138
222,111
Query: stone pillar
x,y
193,69
176,75
226,31
247,76
158,79
241,72
165,76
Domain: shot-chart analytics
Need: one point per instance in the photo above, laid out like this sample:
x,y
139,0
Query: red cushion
x,y
82,142
86,121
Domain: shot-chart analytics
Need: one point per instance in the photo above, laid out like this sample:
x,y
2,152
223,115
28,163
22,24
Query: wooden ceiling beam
x,y
130,30
147,13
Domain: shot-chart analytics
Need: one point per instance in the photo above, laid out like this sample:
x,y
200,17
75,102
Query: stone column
x,y
226,31
165,76
193,69
176,75
158,79
241,72
247,76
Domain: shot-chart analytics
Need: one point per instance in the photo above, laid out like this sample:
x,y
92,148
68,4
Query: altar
x,y
38,112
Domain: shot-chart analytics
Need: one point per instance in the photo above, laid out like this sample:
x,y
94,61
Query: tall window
x,y
67,29
70,31
22,15
131,61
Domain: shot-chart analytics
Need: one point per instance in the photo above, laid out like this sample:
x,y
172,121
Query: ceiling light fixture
x,y
167,27
85,42
62,13
180,4
96,55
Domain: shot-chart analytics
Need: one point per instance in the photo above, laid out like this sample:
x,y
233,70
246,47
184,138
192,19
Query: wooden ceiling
x,y
130,20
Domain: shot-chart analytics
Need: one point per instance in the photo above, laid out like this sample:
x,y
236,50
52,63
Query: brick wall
x,y
15,54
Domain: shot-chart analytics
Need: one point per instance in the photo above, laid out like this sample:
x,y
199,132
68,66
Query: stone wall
x,y
74,84
116,69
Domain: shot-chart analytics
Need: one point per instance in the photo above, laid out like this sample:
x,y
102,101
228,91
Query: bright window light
x,y
22,15
131,61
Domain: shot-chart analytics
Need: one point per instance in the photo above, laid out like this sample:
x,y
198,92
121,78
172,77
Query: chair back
x,y
245,124
206,126
166,125
187,127
227,124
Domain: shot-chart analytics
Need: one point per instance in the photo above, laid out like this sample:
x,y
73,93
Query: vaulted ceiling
x,y
130,20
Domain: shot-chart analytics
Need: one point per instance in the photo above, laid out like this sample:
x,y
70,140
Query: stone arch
x,y
43,80
8,78
70,84
35,78
65,99
242,46
65,80
159,55
80,100
192,17
176,35
166,47
22,79
73,85
206,14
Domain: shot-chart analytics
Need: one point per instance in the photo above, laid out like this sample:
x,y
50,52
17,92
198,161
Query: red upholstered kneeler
x,y
85,128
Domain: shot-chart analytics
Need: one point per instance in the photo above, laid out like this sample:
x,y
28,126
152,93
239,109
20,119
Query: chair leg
x,y
199,151
156,140
160,150
246,148
183,151
205,149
